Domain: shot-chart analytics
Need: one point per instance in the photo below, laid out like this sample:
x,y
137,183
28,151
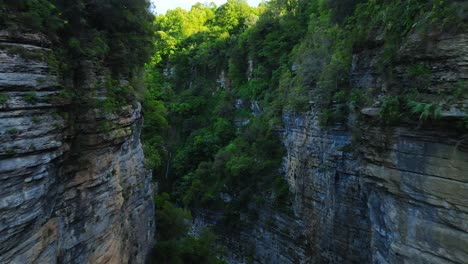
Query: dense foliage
x,y
109,39
212,154
220,78
115,33
174,244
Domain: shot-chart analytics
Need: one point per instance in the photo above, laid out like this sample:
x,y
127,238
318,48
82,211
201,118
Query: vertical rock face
x,y
403,201
268,237
70,190
386,195
325,180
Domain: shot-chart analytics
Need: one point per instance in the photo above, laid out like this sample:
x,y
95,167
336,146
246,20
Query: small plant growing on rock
x,y
419,70
35,119
358,99
461,90
57,126
10,152
425,110
66,94
31,98
12,131
55,115
3,98
104,126
24,53
41,81
390,110
420,75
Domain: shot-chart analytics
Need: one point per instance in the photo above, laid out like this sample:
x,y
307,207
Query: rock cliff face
x,y
367,193
376,194
269,237
70,190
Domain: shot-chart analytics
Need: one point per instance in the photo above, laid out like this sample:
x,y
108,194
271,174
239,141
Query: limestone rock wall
x,y
270,236
70,191
402,201
373,194
328,196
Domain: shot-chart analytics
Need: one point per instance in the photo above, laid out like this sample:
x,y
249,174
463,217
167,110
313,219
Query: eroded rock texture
x,y
71,189
270,236
372,194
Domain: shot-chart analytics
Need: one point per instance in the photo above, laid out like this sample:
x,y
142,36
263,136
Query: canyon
x,y
384,181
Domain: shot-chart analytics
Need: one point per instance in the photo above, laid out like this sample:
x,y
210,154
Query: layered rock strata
x,y
387,194
71,189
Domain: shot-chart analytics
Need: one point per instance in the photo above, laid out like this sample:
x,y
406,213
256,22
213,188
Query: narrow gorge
x,y
323,131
